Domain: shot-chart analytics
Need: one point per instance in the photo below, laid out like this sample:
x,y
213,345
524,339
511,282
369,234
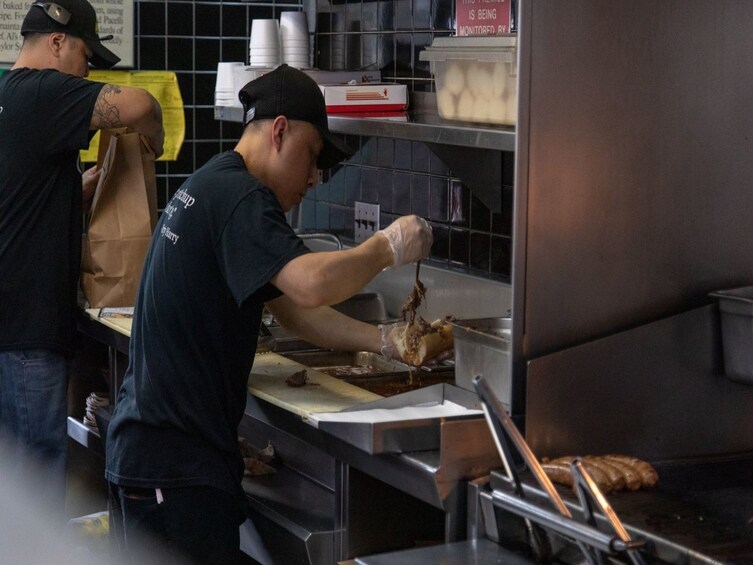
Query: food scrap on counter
x,y
299,379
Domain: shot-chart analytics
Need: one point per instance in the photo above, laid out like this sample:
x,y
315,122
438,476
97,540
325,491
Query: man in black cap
x,y
48,113
222,250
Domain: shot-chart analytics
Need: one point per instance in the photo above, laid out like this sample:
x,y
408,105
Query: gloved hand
x,y
410,239
389,349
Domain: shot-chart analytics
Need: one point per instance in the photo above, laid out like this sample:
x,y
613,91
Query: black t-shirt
x,y
44,122
220,240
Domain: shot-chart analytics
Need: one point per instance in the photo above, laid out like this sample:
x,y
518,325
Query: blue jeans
x,y
33,412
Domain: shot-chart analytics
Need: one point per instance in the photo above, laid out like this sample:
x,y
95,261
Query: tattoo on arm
x,y
106,114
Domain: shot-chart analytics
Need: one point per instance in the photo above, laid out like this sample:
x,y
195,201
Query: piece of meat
x,y
417,294
615,475
557,466
649,476
255,467
558,473
599,476
632,477
297,379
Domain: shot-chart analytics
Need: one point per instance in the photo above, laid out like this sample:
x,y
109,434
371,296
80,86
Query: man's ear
x,y
55,42
280,127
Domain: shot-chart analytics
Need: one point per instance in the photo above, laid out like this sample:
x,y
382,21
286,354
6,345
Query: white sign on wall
x,y
115,18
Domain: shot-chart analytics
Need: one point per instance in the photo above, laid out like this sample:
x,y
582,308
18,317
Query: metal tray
x,y
403,435
482,348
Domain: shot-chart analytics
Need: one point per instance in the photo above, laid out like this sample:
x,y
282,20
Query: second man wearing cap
x,y
48,112
221,252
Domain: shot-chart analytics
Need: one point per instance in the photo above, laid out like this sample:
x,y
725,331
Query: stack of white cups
x,y
264,48
225,93
294,33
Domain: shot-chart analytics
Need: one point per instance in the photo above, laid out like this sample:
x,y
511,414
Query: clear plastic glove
x,y
389,349
410,239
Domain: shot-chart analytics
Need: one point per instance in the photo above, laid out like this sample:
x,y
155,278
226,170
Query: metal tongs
x,y
589,539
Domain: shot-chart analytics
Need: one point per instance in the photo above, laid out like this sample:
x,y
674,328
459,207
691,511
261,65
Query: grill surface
x,y
704,505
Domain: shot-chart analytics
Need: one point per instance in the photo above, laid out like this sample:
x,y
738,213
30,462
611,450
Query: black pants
x,y
175,526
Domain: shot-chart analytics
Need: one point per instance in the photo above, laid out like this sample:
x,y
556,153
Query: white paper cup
x,y
265,54
286,58
298,64
294,25
295,48
225,77
265,34
295,53
265,62
262,51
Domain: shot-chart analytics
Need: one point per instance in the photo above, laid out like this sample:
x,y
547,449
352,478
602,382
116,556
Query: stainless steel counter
x,y
376,503
330,500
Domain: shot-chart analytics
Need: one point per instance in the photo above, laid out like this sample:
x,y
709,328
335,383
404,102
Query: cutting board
x,y
323,393
267,380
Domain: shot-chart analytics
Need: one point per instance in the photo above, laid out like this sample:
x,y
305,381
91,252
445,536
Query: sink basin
x,y
371,371
366,306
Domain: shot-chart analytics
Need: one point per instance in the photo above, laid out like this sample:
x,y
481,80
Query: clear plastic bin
x,y
475,78
736,309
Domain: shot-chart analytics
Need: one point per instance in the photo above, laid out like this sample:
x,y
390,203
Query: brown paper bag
x,y
122,218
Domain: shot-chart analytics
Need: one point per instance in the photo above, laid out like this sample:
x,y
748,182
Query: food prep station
x,y
342,490
614,343
372,491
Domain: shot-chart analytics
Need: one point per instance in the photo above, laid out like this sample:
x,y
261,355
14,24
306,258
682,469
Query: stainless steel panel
x,y
482,348
398,436
633,164
655,392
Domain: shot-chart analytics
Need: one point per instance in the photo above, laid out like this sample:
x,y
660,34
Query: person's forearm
x,y
326,327
318,279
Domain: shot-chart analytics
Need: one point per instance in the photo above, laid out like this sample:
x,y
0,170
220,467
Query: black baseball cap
x,y
288,92
75,17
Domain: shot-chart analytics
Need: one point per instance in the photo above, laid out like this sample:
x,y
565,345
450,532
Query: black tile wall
x,y
191,36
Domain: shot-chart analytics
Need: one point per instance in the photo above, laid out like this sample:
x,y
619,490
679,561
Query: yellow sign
x,y
163,85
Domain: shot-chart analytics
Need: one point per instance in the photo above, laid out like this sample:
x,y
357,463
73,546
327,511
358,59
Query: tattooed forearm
x,y
106,114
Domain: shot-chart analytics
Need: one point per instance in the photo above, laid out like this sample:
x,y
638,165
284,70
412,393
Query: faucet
x,y
323,235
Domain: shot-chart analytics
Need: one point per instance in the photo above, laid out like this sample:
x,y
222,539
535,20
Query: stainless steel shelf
x,y
429,128
424,124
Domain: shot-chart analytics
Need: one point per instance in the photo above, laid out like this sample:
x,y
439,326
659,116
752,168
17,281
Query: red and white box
x,y
364,97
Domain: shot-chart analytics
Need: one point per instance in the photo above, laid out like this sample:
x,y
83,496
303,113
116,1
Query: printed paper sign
x,y
482,17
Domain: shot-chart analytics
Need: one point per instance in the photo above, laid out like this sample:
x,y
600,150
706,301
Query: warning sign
x,y
482,17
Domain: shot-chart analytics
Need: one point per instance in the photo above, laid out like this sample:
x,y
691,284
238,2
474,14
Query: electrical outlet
x,y
366,221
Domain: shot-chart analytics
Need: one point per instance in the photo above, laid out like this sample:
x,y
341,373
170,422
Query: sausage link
x,y
597,474
615,475
558,473
631,474
649,476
